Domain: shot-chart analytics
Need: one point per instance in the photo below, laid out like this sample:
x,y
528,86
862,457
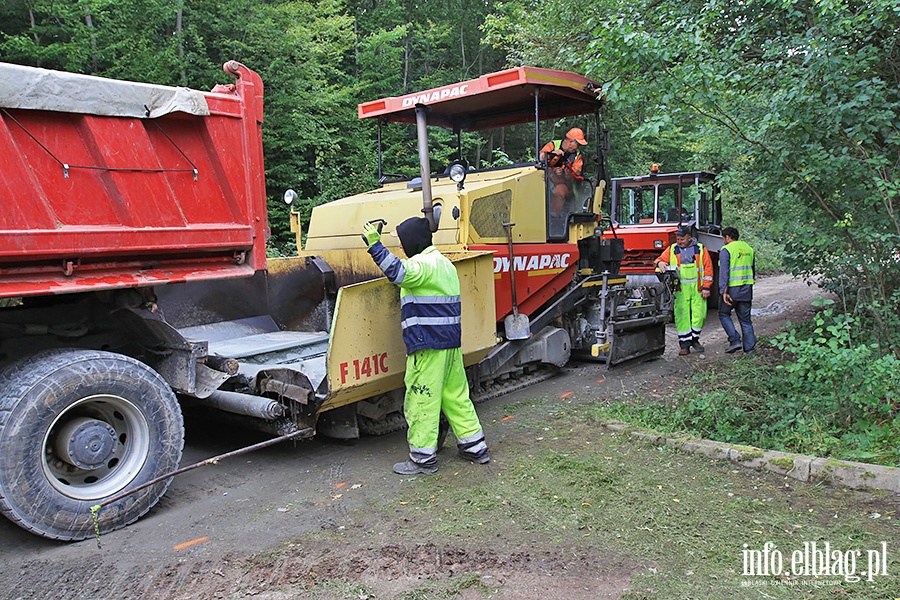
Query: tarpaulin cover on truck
x,y
99,196
41,89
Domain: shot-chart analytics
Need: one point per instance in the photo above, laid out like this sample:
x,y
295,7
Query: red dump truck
x,y
111,188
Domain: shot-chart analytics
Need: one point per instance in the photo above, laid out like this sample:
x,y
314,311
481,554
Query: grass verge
x,y
748,401
672,525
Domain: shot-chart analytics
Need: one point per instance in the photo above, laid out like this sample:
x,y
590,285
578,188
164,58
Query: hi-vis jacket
x,y
737,268
573,161
700,255
430,306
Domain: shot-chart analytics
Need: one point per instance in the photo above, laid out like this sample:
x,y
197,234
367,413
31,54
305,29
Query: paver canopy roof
x,y
494,100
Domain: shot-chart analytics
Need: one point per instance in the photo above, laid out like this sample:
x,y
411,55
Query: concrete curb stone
x,y
854,475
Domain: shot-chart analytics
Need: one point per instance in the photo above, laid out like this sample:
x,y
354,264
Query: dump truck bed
x,y
109,184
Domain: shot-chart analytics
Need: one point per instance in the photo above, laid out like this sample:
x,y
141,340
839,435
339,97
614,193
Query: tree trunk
x,y
34,34
405,62
462,47
356,45
179,35
89,22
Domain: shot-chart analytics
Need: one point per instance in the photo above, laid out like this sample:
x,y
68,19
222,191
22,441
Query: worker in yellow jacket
x,y
430,312
695,273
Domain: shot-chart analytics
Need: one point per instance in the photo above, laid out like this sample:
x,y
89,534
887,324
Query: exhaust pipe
x,y
245,404
425,166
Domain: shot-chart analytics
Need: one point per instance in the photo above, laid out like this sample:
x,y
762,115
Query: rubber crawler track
x,y
494,388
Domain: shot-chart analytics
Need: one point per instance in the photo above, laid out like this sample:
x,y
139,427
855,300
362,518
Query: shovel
x,y
517,326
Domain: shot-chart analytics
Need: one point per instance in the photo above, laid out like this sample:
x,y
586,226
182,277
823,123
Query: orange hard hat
x,y
577,135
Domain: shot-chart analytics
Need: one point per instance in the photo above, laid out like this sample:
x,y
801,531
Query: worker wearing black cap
x,y
430,311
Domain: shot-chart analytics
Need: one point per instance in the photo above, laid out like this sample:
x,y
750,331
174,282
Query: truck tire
x,y
77,427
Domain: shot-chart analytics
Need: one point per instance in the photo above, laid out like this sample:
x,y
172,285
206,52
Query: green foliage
x,y
796,103
852,383
499,158
752,218
806,103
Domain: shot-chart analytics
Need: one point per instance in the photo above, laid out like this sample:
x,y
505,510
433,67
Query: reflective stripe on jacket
x,y
430,307
703,274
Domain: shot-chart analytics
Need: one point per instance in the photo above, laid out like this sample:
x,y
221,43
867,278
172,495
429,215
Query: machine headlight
x,y
289,197
657,244
457,172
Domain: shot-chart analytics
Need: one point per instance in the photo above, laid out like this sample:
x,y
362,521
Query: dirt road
x,y
277,522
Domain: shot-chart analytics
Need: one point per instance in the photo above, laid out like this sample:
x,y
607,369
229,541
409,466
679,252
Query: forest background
x,y
794,102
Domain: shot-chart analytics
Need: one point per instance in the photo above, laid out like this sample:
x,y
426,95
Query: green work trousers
x,y
690,314
435,382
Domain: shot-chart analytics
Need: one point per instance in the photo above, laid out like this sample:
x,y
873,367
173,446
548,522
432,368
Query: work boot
x,y
696,345
733,347
409,467
684,348
484,459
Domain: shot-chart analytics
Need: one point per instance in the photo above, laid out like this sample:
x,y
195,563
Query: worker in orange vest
x,y
565,164
695,273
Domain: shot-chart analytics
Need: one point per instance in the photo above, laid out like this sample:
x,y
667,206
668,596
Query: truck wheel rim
x,y
93,416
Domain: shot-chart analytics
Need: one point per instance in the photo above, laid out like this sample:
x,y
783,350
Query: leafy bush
x,y
848,380
832,397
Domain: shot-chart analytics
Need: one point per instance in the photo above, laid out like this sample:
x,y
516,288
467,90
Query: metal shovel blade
x,y
517,327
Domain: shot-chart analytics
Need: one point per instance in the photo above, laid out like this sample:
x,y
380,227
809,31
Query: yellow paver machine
x,y
540,282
